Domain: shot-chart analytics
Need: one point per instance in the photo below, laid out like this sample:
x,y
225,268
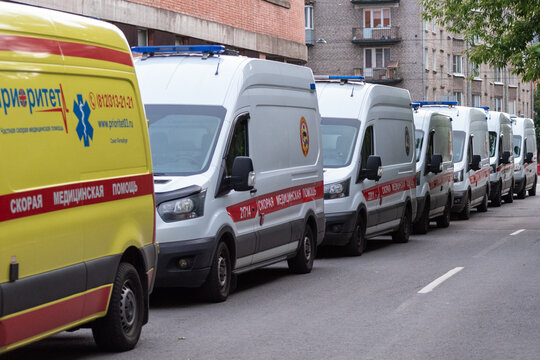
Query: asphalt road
x,y
377,306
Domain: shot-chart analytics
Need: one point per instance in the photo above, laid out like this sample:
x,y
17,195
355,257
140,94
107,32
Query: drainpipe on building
x,y
424,58
505,72
469,100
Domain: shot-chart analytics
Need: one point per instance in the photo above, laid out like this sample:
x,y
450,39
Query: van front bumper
x,y
339,228
196,256
459,201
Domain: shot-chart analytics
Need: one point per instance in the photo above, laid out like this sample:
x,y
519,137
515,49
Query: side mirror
x,y
436,164
242,178
505,158
373,169
475,164
529,158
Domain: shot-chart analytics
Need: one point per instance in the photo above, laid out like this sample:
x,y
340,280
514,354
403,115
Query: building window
x,y
308,11
485,84
511,107
497,104
458,97
441,40
426,58
458,64
449,63
142,37
476,99
511,79
433,26
497,75
377,18
434,60
376,58
442,77
476,71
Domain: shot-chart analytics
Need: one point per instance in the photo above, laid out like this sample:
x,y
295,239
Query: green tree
x,y
502,32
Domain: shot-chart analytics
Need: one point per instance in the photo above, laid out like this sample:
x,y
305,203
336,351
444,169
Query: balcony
x,y
389,75
374,2
376,36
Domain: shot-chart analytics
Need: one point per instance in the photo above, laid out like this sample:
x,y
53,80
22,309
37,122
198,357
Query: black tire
x,y
483,207
121,328
302,263
217,286
422,225
401,235
523,192
358,242
497,199
443,221
532,191
509,198
465,214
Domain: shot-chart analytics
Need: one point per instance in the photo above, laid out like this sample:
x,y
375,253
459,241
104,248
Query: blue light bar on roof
x,y
212,49
430,103
338,77
483,107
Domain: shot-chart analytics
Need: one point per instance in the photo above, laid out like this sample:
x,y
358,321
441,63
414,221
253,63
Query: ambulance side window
x,y
239,145
367,147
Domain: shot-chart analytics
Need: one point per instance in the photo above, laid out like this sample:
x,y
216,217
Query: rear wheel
x,y
401,235
357,245
120,329
218,284
465,214
422,225
302,263
443,221
532,191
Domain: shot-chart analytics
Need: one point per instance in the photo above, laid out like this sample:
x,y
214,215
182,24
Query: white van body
x,y
360,120
470,140
501,158
205,112
525,156
434,176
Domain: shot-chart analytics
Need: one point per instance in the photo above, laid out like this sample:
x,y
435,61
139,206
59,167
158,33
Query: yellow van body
x,y
76,188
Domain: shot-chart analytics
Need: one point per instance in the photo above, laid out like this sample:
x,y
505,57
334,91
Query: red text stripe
x,y
389,188
54,316
479,175
279,200
65,48
441,180
34,202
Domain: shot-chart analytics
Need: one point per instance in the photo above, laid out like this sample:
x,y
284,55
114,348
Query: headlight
x,y
181,209
337,190
493,168
458,176
517,167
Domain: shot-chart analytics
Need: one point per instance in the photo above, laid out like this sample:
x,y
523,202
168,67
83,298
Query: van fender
x,y
227,234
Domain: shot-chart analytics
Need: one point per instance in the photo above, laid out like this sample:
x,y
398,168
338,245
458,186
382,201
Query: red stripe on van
x,y
66,48
441,180
275,201
34,202
389,188
50,317
479,175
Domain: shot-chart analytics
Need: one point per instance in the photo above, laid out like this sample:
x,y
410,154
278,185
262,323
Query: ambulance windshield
x,y
183,137
492,143
338,140
517,145
459,145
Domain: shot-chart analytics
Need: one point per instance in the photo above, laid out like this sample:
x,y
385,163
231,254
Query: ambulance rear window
x,y
183,137
338,140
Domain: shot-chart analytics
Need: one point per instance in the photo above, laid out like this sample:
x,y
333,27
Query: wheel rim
x,y
222,270
307,247
128,307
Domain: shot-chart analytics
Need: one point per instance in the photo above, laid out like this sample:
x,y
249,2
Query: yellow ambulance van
x,y
77,244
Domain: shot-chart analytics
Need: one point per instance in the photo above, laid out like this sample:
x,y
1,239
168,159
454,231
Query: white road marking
x,y
517,232
437,282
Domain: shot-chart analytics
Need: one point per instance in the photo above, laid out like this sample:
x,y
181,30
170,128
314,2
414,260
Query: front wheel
x,y
509,198
401,235
465,214
358,242
483,207
523,192
218,284
422,225
532,191
443,221
302,263
120,329
497,199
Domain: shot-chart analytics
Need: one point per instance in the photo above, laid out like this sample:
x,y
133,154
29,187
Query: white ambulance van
x,y
368,149
524,157
237,160
470,155
501,158
434,168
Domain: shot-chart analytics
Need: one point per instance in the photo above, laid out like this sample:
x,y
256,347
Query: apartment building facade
x,y
387,42
270,29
